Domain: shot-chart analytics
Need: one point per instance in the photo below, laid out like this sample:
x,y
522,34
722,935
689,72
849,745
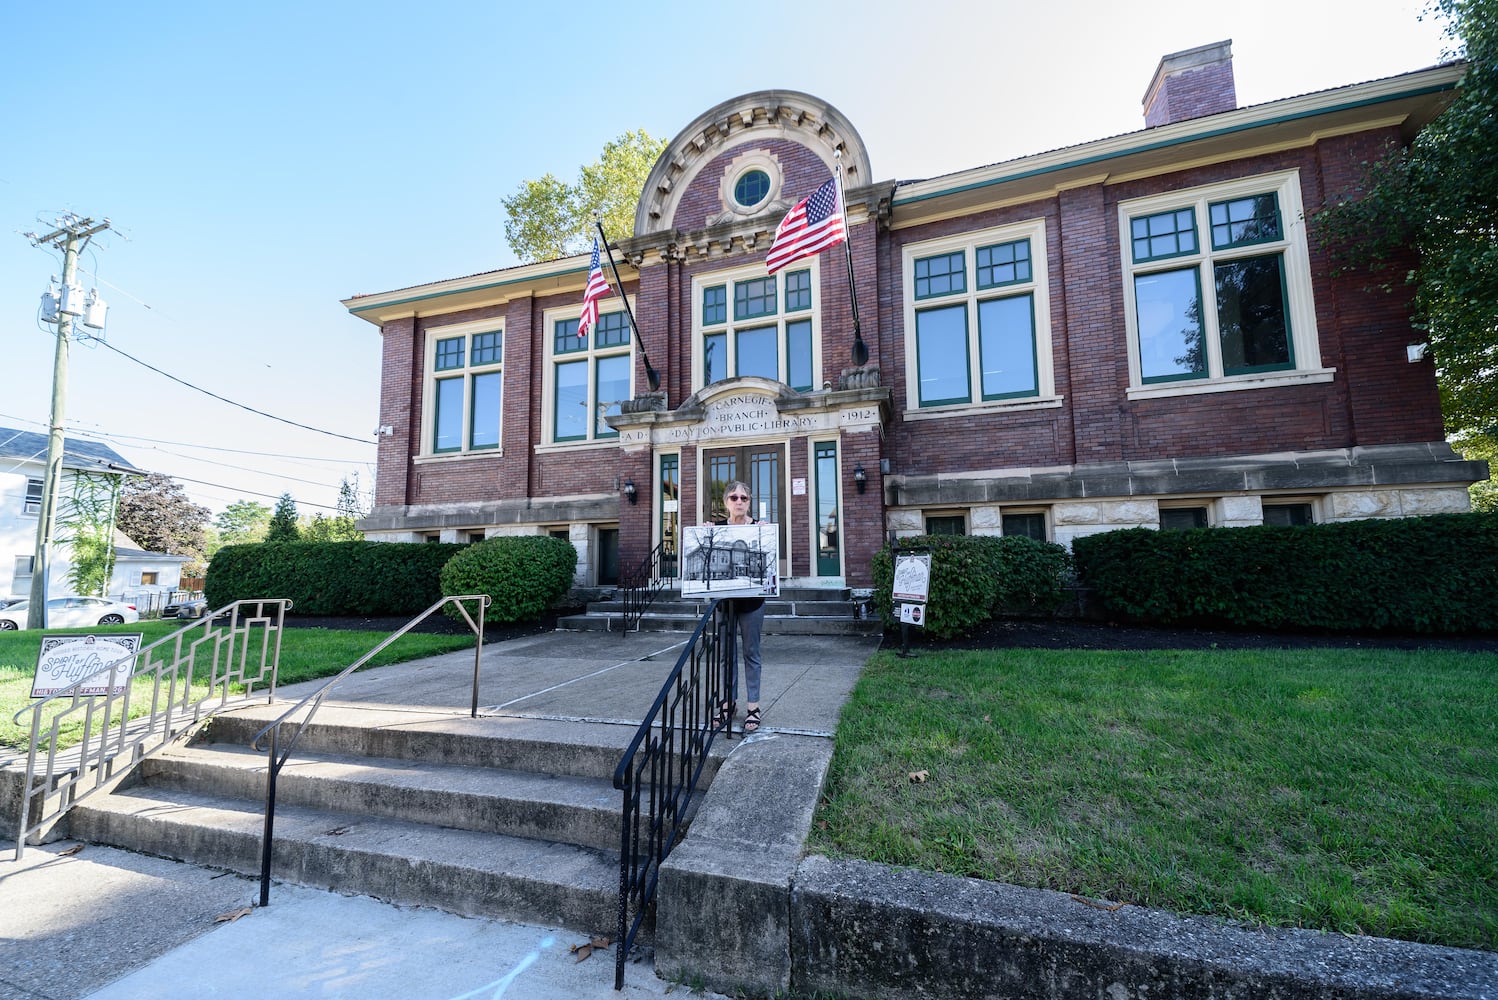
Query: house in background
x,y
1143,330
139,577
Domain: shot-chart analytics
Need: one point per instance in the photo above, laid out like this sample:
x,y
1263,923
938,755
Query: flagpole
x,y
650,373
860,349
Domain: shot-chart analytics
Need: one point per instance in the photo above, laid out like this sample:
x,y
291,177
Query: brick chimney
x,y
1191,84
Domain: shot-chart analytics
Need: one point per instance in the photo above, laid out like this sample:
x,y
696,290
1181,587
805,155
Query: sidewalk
x,y
112,925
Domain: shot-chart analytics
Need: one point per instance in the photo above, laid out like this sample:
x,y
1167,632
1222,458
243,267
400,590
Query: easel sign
x,y
911,591
913,577
104,662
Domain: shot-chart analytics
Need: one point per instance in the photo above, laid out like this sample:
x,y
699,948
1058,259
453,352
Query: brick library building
x,y
1143,330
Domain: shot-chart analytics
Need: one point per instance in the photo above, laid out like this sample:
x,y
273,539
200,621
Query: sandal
x,y
751,721
724,718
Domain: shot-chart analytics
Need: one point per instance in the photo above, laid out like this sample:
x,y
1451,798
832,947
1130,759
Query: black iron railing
x,y
640,588
309,705
659,770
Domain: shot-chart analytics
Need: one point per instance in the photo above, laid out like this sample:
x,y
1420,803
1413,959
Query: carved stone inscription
x,y
742,415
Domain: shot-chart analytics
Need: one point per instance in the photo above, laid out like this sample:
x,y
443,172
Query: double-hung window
x,y
1218,288
590,376
752,323
466,366
33,502
978,319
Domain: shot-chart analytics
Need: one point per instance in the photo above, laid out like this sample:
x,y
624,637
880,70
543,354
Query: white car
x,y
71,612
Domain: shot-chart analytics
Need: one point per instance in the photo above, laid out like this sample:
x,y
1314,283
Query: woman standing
x,y
751,614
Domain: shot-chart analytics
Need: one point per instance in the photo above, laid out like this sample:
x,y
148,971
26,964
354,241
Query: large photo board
x,y
730,560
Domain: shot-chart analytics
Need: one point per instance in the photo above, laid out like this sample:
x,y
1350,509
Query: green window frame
x,y
768,332
590,377
979,340
467,391
1218,307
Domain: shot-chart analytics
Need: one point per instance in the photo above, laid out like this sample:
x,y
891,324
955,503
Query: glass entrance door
x,y
757,465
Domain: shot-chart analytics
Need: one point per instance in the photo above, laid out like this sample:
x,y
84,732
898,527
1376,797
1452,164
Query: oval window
x,y
751,188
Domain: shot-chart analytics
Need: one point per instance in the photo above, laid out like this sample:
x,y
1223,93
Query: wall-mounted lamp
x,y
859,479
629,491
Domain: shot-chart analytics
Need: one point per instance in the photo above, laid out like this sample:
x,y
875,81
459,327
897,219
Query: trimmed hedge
x,y
332,578
523,575
1417,574
974,578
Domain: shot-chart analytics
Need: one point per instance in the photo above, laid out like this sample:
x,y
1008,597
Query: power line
x,y
83,431
221,399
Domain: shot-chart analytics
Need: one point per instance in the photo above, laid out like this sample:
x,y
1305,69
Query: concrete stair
x,y
499,817
800,610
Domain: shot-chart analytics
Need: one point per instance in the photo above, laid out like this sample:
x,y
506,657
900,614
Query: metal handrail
x,y
275,762
112,742
665,760
640,588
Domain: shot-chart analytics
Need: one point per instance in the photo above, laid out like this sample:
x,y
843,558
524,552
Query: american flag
x,y
597,288
813,225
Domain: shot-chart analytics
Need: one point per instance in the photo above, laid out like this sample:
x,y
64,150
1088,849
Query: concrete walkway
x,y
110,924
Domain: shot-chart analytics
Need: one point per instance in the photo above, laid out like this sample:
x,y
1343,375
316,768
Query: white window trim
x,y
1300,300
549,319
428,450
780,318
1039,288
26,501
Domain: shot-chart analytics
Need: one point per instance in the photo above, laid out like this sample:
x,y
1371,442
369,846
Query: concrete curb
x,y
874,931
723,909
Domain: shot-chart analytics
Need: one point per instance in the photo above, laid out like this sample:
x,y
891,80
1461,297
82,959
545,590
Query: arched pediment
x,y
747,122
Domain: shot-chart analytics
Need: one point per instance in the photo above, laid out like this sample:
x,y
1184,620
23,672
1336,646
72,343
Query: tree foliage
x,y
549,218
282,526
241,522
86,516
156,513
1440,196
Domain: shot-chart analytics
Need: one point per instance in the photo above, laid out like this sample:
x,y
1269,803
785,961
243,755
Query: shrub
x,y
523,575
974,578
1416,574
332,578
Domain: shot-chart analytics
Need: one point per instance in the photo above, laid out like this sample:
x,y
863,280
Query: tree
x,y
1440,196
87,514
282,527
157,515
549,218
241,522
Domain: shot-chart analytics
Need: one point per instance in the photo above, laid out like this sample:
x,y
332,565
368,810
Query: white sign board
x,y
912,578
105,662
730,560
913,614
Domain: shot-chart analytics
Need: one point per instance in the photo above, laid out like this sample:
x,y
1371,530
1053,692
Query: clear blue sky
x,y
264,161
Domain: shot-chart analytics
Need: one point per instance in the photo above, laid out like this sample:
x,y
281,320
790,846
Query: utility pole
x,y
71,236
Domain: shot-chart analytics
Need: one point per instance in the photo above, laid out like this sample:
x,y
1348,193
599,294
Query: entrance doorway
x,y
760,467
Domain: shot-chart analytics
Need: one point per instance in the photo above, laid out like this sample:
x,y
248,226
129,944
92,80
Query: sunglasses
x,y
737,496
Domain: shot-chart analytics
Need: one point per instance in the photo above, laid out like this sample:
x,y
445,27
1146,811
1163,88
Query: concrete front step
x,y
568,810
543,746
460,871
496,816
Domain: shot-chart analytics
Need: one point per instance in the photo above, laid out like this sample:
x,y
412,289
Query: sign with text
x,y
912,578
730,560
104,662
913,614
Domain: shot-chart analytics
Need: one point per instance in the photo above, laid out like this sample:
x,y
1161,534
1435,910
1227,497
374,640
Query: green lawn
x,y
306,654
1347,790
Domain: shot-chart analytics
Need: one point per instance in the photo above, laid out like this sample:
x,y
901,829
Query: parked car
x,y
71,612
191,607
